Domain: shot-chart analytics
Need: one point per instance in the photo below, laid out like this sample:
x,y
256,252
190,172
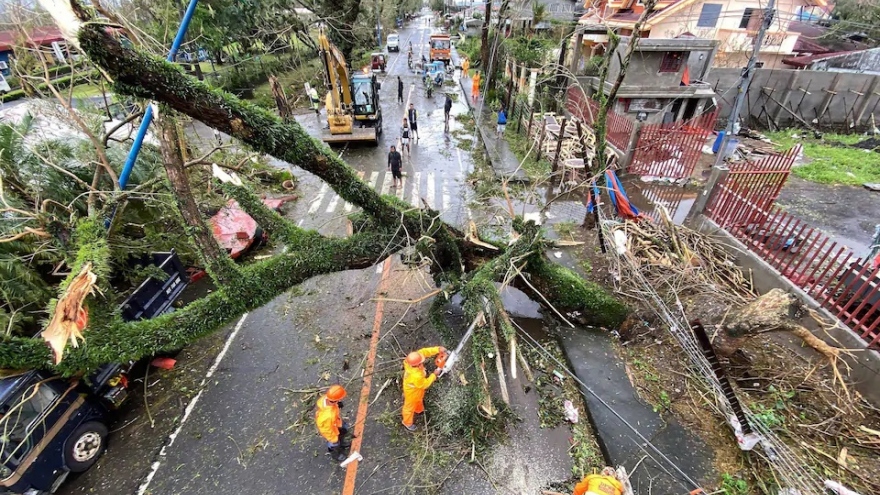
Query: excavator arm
x,y
339,101
336,77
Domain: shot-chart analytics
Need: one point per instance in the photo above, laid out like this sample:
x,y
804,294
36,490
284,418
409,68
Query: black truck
x,y
52,426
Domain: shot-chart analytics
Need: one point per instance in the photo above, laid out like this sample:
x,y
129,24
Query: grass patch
x,y
293,83
565,229
86,90
832,158
526,153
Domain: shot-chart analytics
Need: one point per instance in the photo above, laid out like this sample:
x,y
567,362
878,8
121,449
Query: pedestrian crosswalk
x,y
438,190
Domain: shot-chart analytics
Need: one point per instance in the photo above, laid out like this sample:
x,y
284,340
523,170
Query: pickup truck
x,y
52,426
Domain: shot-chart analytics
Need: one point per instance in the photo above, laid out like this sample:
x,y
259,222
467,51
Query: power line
x,y
632,428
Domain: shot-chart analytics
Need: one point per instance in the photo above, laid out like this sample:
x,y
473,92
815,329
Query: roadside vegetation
x,y
836,159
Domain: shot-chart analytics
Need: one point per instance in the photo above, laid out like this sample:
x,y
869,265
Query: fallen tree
x,y
385,226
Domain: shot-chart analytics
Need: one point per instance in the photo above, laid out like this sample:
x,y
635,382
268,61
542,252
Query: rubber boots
x,y
338,453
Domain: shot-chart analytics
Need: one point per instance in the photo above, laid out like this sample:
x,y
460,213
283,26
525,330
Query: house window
x,y
709,15
752,19
672,61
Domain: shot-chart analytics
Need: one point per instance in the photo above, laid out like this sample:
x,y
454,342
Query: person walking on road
x,y
395,162
502,122
330,424
447,107
415,381
399,90
600,484
466,67
413,117
475,87
316,102
405,135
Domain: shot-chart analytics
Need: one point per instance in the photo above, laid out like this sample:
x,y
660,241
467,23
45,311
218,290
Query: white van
x,y
393,43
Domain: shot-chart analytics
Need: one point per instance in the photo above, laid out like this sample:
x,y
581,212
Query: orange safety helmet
x,y
415,359
336,393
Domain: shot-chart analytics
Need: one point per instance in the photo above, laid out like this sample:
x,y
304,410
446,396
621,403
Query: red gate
x,y
744,205
673,149
618,128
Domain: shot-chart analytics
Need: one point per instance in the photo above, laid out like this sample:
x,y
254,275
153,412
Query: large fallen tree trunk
x,y
385,226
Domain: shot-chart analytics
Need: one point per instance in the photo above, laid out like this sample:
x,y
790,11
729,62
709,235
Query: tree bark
x,y
280,99
606,101
221,269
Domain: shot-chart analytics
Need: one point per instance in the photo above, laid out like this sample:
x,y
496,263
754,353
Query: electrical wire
x,y
616,414
787,466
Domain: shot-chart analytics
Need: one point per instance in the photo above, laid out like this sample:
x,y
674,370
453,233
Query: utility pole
x,y
745,80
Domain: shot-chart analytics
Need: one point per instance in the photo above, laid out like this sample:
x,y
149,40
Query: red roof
x,y
38,36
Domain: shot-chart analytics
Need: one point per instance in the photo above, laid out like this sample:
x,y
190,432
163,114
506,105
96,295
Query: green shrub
x,y
12,95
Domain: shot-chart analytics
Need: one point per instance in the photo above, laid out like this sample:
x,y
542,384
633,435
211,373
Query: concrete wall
x,y
862,62
865,374
644,67
826,100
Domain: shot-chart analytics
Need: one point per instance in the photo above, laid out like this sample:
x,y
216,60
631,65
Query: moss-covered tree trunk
x,y
385,226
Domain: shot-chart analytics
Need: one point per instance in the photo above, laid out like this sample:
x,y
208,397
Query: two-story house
x,y
734,23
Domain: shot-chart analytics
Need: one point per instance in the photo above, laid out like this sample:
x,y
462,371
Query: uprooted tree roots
x,y
832,428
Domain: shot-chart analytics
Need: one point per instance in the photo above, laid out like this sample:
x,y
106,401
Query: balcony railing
x,y
740,40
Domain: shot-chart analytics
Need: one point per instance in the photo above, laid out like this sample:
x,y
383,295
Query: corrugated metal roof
x,y
39,36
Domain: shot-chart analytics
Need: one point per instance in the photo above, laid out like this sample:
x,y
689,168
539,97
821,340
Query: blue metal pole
x,y
148,115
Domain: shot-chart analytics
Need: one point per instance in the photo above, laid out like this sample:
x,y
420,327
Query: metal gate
x,y
673,149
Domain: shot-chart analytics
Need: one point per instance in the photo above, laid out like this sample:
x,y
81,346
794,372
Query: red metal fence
x,y
673,149
743,205
619,128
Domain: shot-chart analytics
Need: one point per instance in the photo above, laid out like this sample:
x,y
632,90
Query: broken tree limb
x,y
499,364
136,73
117,340
385,224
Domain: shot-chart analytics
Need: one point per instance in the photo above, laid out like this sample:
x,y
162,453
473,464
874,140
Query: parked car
x,y
53,426
393,43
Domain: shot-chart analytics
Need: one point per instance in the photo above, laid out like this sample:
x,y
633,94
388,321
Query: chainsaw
x,y
445,361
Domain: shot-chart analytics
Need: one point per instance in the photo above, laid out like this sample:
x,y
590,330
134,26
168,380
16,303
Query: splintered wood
x,y
70,316
676,257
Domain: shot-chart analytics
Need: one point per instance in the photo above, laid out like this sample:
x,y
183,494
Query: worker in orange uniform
x,y
600,484
415,381
475,87
330,424
466,67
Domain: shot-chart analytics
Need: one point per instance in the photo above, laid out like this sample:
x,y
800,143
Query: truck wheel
x,y
85,445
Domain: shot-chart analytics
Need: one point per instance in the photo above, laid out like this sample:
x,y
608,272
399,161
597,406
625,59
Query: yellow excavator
x,y
352,101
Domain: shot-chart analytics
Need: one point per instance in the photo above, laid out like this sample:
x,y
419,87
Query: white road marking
x,y
416,184
316,203
447,202
374,178
349,206
191,406
386,183
333,202
429,194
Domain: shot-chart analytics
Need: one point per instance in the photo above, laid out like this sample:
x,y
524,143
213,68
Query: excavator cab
x,y
365,92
